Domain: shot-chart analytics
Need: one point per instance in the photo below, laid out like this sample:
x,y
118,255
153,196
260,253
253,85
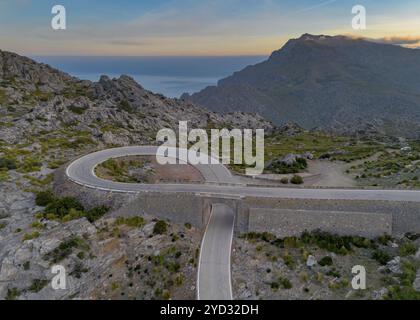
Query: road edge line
x,y
201,250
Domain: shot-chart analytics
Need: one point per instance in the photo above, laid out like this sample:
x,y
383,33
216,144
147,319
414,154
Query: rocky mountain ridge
x,y
48,118
36,98
336,83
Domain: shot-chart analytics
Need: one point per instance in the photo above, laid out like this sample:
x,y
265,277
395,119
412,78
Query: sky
x,y
195,27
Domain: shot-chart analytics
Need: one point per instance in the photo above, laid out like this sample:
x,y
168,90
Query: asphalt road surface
x,y
219,181
214,280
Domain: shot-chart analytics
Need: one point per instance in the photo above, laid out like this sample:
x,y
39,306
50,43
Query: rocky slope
x,y
36,98
336,83
48,118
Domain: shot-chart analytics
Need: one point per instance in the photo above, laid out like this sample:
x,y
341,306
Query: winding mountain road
x,y
214,281
219,181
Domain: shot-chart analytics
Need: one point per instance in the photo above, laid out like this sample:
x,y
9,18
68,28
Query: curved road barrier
x,y
219,182
214,279
82,170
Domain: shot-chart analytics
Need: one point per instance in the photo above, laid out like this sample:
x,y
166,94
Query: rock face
x,y
342,84
36,98
37,75
48,118
294,162
395,265
311,261
104,264
416,284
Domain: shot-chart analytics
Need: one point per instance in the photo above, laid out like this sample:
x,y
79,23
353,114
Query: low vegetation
x,y
134,222
12,293
160,227
66,248
37,285
393,168
282,168
67,208
389,277
121,170
8,164
296,180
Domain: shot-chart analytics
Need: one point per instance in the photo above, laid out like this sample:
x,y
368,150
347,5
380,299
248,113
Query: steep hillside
x,y
35,98
48,118
337,83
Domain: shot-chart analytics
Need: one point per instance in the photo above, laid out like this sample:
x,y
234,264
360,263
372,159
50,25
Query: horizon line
x,y
146,56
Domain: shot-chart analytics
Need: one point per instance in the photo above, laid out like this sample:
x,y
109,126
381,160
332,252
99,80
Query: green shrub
x,y
160,227
285,283
76,109
12,294
37,285
408,249
66,248
333,273
296,179
43,198
408,275
335,243
384,239
81,255
331,242
125,105
135,222
26,265
30,236
282,168
288,260
37,225
61,207
166,295
173,267
8,164
3,97
67,209
78,270
291,242
264,236
284,180
179,280
402,293
326,261
94,214
381,256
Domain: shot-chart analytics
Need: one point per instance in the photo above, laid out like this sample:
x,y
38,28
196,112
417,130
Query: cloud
x,y
316,6
399,40
130,42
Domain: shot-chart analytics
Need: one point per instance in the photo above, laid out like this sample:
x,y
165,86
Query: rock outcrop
x,y
339,83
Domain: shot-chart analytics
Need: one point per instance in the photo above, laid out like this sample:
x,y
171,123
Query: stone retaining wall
x,y
287,222
283,217
368,218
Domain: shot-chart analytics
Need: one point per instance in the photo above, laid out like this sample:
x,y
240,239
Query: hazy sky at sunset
x,y
194,27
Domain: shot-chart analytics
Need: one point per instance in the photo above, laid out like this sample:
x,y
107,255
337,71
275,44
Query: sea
x,y
170,76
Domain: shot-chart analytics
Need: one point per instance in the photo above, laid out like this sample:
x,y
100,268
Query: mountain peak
x,y
308,36
330,82
325,38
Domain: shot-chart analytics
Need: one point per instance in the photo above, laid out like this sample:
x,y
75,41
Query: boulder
x,y
311,261
395,265
416,283
307,155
